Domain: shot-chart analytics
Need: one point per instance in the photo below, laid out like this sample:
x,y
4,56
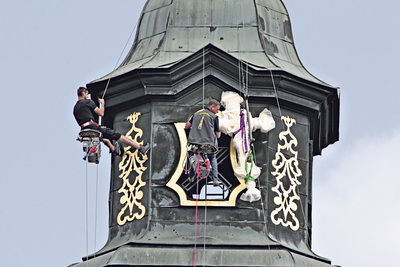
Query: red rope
x,y
198,172
195,223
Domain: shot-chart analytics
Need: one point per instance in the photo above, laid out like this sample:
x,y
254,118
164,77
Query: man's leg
x,y
129,142
192,168
214,168
113,135
108,144
142,148
114,147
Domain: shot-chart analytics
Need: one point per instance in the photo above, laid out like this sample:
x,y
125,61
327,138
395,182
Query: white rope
x,y
283,128
276,97
205,203
119,58
97,174
95,210
87,214
244,82
203,74
205,224
308,237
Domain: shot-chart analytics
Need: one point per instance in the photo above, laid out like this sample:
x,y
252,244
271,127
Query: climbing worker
x,y
85,111
204,131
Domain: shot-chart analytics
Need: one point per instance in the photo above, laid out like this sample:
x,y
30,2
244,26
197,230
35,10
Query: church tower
x,y
185,53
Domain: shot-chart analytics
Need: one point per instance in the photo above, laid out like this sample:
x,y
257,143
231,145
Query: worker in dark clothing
x,y
85,111
204,130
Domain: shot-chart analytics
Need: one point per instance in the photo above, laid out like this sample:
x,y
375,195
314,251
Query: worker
x,y
85,111
204,131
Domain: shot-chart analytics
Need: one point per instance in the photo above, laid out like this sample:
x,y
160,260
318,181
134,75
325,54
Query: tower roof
x,y
257,32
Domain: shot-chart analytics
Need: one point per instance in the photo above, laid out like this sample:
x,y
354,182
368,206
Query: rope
x,y
245,87
198,171
302,211
119,58
205,224
87,212
276,97
195,222
198,175
95,210
244,92
283,127
203,74
87,161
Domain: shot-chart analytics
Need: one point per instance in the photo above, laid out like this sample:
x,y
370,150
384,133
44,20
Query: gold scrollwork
x,y
286,169
132,193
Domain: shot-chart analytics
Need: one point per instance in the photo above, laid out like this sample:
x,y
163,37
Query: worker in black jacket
x,y
85,111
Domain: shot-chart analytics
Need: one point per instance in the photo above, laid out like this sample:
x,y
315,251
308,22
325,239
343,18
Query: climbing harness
x,y
197,155
90,140
203,166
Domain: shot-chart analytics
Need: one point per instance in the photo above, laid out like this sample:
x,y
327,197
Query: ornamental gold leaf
x,y
287,172
131,192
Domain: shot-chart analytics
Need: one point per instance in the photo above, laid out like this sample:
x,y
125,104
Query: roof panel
x,y
151,5
273,4
153,22
274,23
192,13
240,13
144,48
245,26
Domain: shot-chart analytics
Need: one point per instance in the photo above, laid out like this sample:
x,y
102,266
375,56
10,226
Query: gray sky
x,y
49,48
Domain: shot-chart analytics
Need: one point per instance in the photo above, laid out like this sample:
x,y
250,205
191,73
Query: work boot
x,y
215,183
117,148
144,149
191,178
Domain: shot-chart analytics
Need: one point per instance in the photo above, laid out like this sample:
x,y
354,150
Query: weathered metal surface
x,y
255,31
185,53
167,256
171,95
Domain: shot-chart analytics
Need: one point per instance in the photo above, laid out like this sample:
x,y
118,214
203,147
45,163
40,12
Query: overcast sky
x,y
50,48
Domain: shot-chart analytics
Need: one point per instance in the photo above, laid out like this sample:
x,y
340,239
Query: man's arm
x,y
100,111
216,125
189,123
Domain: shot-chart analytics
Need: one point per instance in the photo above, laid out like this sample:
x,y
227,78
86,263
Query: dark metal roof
x,y
255,31
131,255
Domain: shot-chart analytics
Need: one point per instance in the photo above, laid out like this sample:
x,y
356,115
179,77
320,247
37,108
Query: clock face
x,y
201,190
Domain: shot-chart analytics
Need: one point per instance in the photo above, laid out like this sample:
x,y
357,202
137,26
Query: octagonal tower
x,y
185,53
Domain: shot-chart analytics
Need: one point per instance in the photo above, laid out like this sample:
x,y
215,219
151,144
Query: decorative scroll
x,y
132,193
287,173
